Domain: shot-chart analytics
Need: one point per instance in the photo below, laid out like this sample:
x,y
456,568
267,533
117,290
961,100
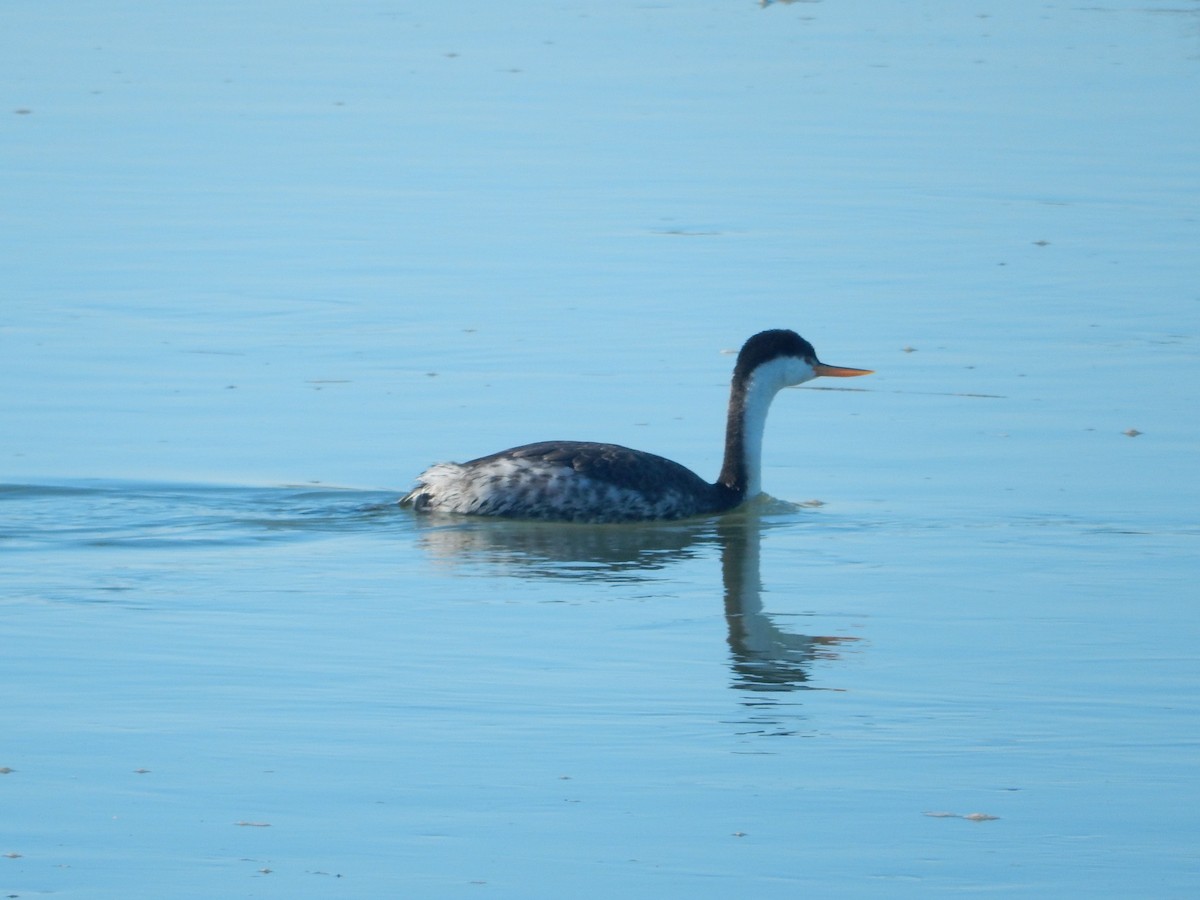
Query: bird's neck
x,y
749,400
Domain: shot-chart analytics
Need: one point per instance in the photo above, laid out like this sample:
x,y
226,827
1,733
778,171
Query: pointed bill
x,y
839,371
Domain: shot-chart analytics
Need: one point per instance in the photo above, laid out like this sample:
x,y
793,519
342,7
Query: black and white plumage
x,y
579,481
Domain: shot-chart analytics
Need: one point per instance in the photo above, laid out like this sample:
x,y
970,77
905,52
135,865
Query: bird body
x,y
580,481
573,481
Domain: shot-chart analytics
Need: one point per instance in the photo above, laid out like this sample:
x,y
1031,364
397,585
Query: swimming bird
x,y
581,481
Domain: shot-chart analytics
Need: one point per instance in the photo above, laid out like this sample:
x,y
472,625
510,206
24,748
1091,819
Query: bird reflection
x,y
554,550
767,659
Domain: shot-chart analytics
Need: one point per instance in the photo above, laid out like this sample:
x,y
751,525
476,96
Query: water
x,y
264,266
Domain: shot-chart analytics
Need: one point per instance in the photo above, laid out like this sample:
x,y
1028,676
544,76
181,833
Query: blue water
x,y
264,265
214,682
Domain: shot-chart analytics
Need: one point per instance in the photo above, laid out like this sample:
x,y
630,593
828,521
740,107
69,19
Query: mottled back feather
x,y
571,481
622,467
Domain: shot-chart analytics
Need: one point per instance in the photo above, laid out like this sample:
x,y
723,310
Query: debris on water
x,y
970,817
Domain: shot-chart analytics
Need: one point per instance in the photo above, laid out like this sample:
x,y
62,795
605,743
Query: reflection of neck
x,y
740,574
749,401
765,657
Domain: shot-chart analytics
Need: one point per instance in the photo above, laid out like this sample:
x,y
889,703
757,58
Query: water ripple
x,y
103,514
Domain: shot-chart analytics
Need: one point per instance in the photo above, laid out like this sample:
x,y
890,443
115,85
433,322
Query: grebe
x,y
579,481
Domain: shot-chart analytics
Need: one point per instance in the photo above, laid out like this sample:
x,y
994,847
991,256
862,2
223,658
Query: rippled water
x,y
263,265
309,686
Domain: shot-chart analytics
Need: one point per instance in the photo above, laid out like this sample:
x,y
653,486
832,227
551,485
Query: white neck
x,y
759,394
749,400
763,385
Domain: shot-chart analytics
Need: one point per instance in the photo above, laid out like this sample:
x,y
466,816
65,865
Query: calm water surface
x,y
262,267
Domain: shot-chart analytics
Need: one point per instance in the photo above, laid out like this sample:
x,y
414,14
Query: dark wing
x,y
654,477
